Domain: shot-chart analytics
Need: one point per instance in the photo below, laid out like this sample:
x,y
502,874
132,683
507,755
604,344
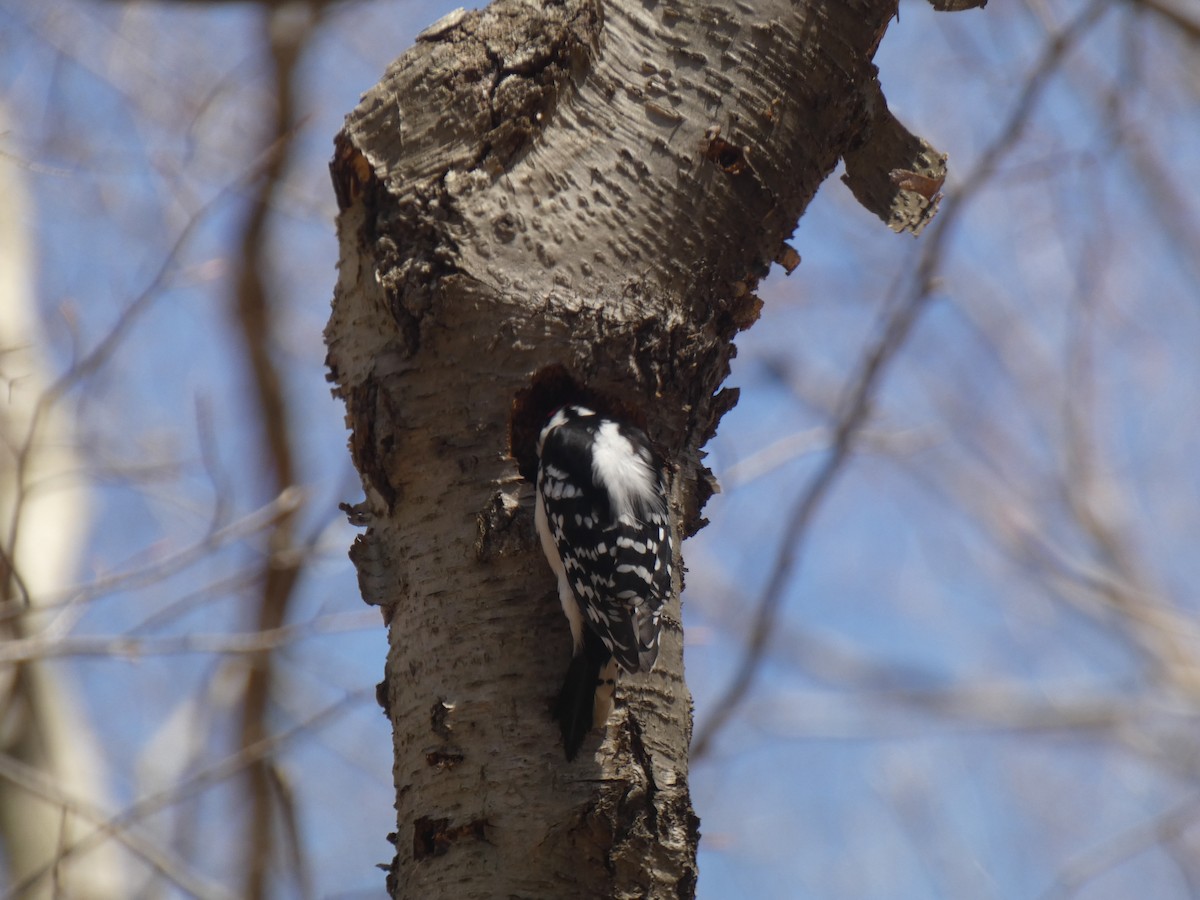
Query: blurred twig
x,y
1086,866
1169,13
170,866
288,29
48,646
250,524
217,773
896,328
811,441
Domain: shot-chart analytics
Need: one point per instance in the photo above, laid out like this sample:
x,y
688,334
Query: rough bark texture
x,y
540,201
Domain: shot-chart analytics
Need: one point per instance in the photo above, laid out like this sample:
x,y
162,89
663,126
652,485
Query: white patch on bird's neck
x,y
619,467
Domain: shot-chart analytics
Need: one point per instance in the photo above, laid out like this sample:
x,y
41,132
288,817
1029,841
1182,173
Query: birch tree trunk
x,y
542,202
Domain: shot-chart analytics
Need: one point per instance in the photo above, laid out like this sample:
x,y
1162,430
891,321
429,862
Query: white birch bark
x,y
536,193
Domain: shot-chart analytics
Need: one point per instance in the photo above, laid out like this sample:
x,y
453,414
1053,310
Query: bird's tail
x,y
587,693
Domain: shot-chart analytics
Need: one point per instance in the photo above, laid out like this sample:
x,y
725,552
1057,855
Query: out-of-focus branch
x,y
90,363
896,328
72,605
1186,26
962,708
42,646
288,31
814,440
34,781
43,508
1159,830
26,444
1083,487
219,772
879,686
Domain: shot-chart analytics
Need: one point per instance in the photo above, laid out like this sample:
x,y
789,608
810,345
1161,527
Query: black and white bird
x,y
603,518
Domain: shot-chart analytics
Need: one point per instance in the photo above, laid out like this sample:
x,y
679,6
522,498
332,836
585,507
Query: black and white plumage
x,y
605,527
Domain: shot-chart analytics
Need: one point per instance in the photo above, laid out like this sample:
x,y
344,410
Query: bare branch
x,y
221,771
1159,830
896,328
51,645
288,32
171,867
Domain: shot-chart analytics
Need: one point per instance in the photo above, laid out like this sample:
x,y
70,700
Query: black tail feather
x,y
575,709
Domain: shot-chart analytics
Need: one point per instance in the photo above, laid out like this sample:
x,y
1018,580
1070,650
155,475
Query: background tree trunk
x,y
52,789
533,200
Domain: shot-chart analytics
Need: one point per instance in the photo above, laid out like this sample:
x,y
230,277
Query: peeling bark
x,y
892,172
542,202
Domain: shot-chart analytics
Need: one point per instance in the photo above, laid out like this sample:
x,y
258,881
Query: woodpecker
x,y
605,527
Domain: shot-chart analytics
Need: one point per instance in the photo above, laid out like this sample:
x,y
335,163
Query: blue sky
x,y
946,560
